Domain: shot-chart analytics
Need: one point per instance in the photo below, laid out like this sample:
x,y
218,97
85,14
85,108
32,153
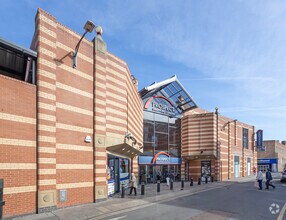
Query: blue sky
x,y
229,54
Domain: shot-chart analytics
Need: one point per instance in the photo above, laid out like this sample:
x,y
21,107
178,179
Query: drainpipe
x,y
217,146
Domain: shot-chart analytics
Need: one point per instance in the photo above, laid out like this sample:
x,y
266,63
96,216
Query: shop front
x,y
158,167
118,173
164,103
267,163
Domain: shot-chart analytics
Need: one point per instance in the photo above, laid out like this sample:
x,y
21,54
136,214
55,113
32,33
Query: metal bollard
x,y
158,186
142,188
199,181
171,185
191,182
206,179
122,191
2,203
212,179
182,184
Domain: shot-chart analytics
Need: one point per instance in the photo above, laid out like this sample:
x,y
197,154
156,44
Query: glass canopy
x,y
173,90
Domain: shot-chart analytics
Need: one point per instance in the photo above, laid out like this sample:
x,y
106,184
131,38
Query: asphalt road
x,y
237,201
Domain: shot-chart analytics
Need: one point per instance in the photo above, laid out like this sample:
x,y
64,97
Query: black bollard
x,y
122,191
206,179
142,188
171,185
199,181
191,182
212,179
2,203
182,184
158,186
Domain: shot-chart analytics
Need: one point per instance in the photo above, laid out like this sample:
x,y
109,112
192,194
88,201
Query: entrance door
x,y
236,166
248,166
116,179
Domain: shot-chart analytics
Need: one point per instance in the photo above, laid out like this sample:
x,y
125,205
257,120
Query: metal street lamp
x,y
228,143
88,27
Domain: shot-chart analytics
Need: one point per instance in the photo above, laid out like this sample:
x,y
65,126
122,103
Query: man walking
x,y
268,179
259,179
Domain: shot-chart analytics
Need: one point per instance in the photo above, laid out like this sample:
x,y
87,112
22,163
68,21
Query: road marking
x,y
118,218
280,217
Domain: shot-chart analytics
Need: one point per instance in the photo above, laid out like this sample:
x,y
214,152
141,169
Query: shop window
x,y
124,165
245,138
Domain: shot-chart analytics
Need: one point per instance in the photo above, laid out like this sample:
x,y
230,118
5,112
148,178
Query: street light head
x,y
89,26
99,30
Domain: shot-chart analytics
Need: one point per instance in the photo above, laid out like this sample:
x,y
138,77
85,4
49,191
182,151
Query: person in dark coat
x,y
268,179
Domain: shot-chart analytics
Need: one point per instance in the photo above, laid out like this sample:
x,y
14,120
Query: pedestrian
x,y
168,178
268,179
159,175
254,170
133,184
259,179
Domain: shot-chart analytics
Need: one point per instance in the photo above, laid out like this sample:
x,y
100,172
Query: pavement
x,y
116,204
148,206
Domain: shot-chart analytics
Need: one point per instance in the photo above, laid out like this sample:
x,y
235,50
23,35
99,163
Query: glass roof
x,y
173,90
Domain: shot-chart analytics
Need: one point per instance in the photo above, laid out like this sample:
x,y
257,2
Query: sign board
x,y
267,161
259,138
160,104
160,160
111,187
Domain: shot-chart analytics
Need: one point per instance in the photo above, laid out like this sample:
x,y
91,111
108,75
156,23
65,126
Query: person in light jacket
x,y
133,184
259,179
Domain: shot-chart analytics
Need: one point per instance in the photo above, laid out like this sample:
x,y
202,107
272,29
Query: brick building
x,y
71,136
272,155
60,125
216,145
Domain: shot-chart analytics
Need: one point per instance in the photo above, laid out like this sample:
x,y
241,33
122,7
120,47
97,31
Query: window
x,y
161,142
124,165
245,138
148,131
148,149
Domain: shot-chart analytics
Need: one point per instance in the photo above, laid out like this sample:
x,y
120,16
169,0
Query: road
x,y
237,201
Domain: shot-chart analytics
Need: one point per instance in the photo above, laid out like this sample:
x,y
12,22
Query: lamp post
x,y
88,27
228,143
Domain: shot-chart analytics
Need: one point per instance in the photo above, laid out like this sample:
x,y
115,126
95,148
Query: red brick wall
x,y
18,145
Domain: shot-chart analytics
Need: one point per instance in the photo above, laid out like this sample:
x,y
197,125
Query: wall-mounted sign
x,y
267,161
159,159
87,139
164,107
259,138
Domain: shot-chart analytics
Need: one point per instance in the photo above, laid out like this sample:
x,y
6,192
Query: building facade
x,y
272,156
64,134
71,136
214,145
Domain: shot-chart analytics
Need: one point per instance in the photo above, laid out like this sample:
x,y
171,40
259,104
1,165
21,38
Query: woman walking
x,y
133,184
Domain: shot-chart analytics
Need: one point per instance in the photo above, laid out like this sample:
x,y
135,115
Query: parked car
x,y
283,177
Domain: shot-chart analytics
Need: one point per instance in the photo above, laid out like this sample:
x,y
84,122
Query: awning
x,y
127,149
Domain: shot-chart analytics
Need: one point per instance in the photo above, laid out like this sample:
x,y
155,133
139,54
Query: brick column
x,y
46,116
100,155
